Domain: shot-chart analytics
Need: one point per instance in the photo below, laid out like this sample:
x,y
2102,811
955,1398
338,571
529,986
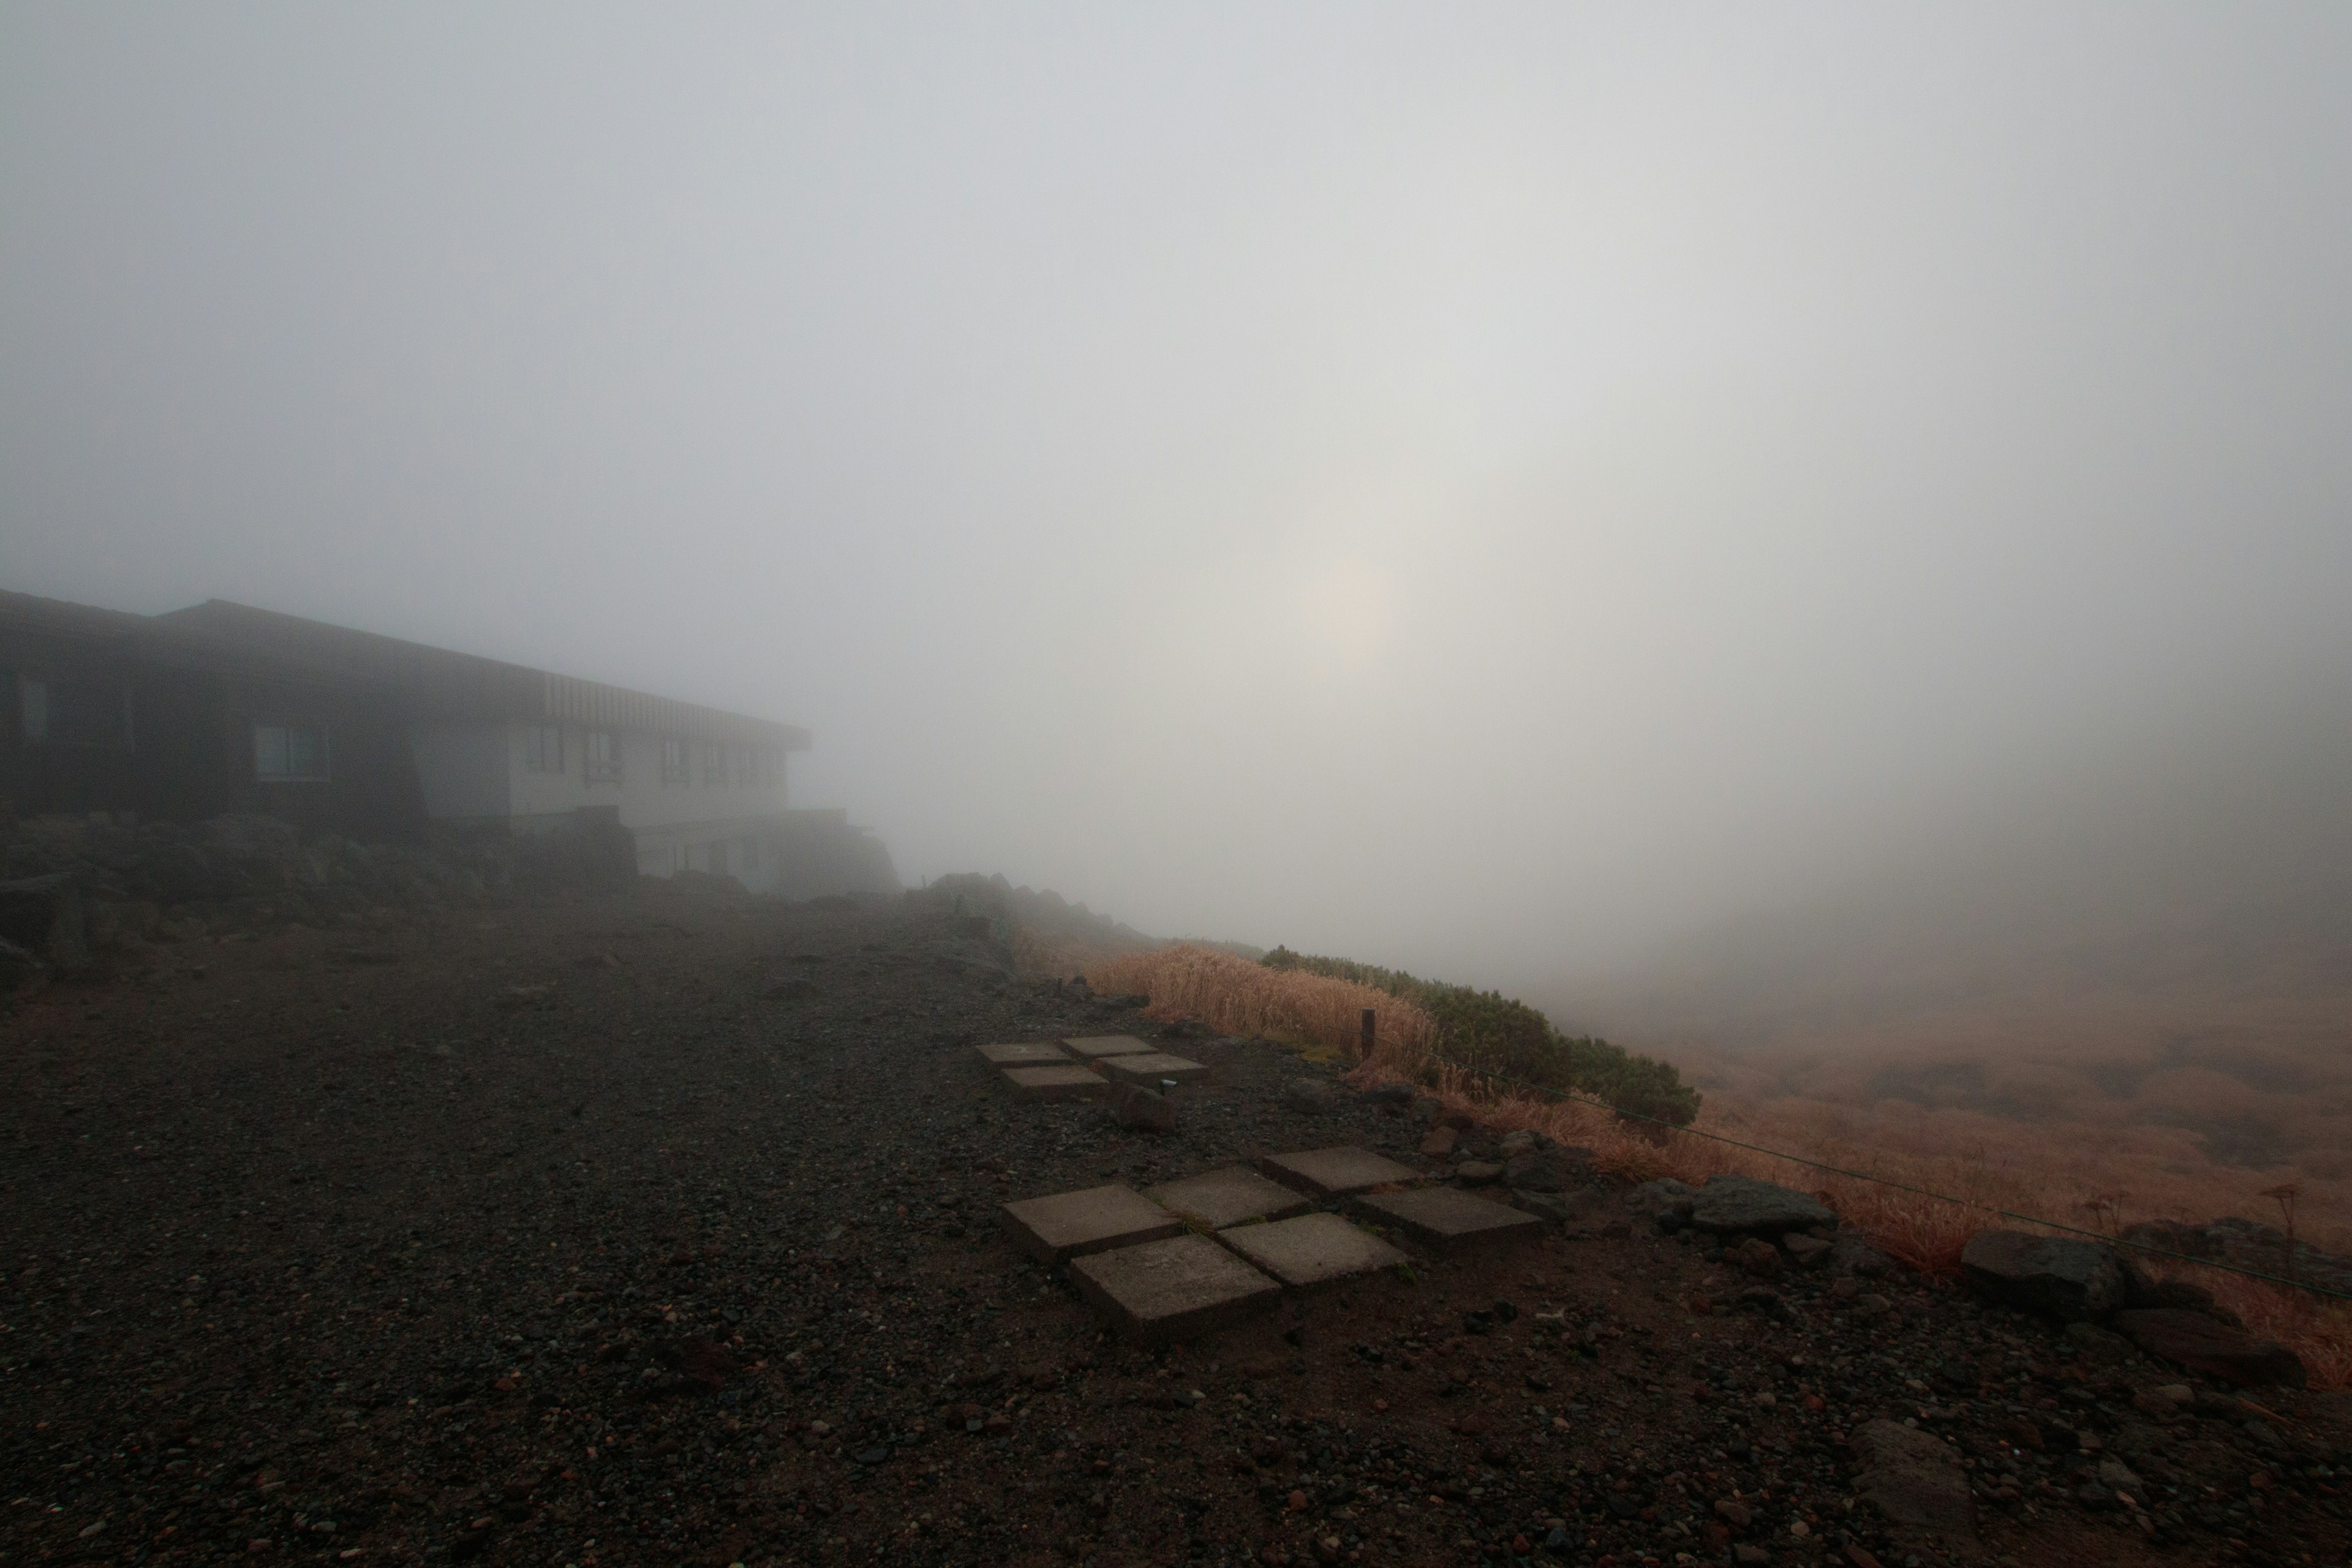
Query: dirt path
x,y
661,1229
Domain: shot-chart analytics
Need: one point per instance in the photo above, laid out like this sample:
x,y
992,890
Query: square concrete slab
x,y
1071,1225
1151,1068
1094,1047
1173,1290
1068,1082
1219,1198
1447,1220
1313,1249
1034,1055
1324,1171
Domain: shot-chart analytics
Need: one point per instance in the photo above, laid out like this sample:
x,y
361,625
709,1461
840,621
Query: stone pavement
x,y
1129,1256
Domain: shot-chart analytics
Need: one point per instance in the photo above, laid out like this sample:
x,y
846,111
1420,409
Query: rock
x,y
1540,1170
1804,1251
1664,1196
1734,1512
1757,1255
1308,1096
1396,1095
2072,1281
1869,1308
1915,1481
1143,1110
2116,1474
1477,1173
19,969
45,917
2210,1346
1736,1205
1427,1109
2097,1347
1516,1143
1851,1253
1439,1143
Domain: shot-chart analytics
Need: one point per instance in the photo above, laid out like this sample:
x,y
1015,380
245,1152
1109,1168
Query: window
x,y
747,767
714,763
602,761
74,712
290,753
542,748
674,768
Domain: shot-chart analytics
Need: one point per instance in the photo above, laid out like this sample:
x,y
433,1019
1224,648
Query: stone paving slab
x,y
1325,1172
1313,1249
1071,1225
1174,1289
1034,1055
1150,1069
1068,1082
1094,1047
1219,1198
1449,1221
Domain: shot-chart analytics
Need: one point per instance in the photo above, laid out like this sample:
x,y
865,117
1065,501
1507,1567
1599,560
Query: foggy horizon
x,y
1496,494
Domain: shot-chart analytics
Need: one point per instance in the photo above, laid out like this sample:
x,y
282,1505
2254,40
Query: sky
x,y
1484,488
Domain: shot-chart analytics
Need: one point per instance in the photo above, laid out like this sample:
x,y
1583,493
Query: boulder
x,y
2072,1281
1308,1096
1851,1253
1664,1196
2210,1346
1804,1251
1144,1109
1731,1205
1477,1173
46,916
1542,1170
1915,1481
1439,1143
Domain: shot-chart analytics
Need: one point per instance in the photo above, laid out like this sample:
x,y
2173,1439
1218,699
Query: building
x,y
221,706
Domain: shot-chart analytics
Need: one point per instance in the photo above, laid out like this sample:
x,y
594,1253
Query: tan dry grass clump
x,y
1991,1165
1234,996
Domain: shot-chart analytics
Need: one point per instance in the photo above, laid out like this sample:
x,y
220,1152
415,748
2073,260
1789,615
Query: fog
x,y
1493,490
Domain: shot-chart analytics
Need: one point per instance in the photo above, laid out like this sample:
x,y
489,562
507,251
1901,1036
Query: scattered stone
x,y
1440,1142
1228,1197
1308,1096
1392,1096
1312,1249
1326,1173
1477,1173
1095,1048
1152,1067
2072,1281
1915,1481
1034,1053
1737,1205
1514,1143
1071,1225
1757,1255
1448,1221
1140,1108
1851,1253
1804,1251
1173,1289
1071,1082
1543,1170
2210,1346
1661,1197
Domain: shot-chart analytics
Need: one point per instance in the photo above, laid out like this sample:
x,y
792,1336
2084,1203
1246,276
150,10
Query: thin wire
x,y
1880,1181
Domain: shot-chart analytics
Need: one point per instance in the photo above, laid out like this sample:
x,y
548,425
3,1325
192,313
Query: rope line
x,y
1879,1181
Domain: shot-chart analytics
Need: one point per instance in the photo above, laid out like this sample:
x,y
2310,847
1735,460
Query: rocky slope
x,y
658,1227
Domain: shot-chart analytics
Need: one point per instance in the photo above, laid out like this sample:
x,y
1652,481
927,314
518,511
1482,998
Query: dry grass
x,y
2099,1175
1235,996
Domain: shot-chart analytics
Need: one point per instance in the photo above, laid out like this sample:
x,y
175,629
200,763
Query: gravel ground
x,y
660,1228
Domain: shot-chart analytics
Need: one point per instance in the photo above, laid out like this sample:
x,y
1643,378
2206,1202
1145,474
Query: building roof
x,y
440,682
434,682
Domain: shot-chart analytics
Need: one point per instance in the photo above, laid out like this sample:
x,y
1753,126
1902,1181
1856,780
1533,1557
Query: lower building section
x,y
798,854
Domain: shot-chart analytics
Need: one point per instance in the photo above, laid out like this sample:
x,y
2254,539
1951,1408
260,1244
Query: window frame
x,y
37,710
676,762
535,740
604,770
286,728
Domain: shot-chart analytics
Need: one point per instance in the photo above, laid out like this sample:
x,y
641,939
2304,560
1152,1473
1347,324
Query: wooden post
x,y
1365,1050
